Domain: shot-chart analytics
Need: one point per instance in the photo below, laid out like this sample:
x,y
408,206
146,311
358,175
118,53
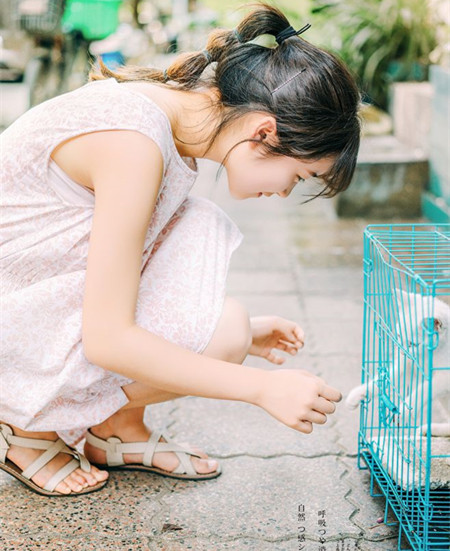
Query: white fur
x,y
412,311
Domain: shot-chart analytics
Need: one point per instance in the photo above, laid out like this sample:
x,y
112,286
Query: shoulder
x,y
120,150
107,105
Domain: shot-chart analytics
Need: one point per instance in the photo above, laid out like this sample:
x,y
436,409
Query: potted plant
x,y
381,41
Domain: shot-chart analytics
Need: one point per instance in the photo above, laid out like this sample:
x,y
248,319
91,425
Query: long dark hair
x,y
309,92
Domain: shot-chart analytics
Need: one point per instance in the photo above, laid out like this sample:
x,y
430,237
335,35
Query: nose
x,y
287,191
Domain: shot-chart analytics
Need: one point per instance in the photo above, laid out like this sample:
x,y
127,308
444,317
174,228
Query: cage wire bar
x,y
405,353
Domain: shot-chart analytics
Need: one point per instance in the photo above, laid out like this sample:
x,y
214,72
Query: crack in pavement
x,y
287,454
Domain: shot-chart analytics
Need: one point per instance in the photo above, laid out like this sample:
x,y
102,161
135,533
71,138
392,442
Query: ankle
x,y
122,421
48,435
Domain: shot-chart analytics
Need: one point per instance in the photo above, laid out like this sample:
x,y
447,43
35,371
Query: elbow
x,y
101,347
92,349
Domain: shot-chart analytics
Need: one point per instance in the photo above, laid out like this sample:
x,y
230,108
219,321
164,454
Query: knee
x,y
239,330
232,338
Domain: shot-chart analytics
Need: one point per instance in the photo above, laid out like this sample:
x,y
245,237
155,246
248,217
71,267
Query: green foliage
x,y
230,14
379,40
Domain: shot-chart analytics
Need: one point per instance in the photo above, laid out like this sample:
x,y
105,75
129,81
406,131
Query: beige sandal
x,y
115,448
53,448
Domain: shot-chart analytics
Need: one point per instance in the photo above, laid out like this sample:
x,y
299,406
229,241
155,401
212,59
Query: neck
x,y
193,118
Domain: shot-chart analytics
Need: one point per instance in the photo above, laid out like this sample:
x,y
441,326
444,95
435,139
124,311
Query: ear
x,y
264,128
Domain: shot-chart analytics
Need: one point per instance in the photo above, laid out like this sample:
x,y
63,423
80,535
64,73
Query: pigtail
x,y
126,73
187,68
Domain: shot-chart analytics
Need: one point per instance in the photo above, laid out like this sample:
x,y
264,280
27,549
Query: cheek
x,y
242,177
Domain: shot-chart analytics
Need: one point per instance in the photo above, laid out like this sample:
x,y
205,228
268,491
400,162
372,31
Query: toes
x,y
203,466
63,488
77,477
98,474
198,451
73,484
83,477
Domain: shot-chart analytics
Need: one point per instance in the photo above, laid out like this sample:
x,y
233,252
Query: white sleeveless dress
x,y
46,381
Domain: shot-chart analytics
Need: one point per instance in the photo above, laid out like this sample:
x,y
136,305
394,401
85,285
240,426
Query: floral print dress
x,y
47,384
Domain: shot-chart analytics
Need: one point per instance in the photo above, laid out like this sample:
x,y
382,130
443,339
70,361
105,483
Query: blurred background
x,y
398,50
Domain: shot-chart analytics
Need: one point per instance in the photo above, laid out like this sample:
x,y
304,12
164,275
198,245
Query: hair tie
x,y
165,75
237,36
207,55
290,31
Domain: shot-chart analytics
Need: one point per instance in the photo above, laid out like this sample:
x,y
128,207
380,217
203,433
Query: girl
x,y
113,278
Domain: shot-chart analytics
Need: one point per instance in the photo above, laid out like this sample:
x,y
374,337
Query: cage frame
x,y
417,513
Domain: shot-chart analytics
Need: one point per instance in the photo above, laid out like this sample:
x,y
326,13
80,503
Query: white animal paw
x,y
356,396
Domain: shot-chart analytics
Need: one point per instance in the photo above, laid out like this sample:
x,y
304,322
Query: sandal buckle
x,y
5,432
114,457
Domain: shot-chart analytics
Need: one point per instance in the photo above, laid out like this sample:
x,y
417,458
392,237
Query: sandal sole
x,y
12,469
156,470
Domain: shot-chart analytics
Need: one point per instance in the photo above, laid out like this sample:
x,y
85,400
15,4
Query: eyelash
x,y
300,179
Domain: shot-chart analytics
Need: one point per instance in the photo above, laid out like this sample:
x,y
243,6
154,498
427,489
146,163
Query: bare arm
x,y
126,170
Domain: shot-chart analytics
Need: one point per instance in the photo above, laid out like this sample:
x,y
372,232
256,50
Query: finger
x,y
288,347
324,406
292,337
331,393
300,335
317,417
304,426
291,344
278,360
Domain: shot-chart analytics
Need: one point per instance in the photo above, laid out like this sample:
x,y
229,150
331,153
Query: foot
x,y
74,482
167,461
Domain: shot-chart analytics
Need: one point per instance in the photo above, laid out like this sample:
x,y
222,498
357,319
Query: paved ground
x,y
298,261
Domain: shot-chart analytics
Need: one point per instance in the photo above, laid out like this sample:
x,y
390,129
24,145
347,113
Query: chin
x,y
236,195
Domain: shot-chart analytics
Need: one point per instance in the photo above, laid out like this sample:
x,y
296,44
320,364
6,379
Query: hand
x,y
269,332
297,398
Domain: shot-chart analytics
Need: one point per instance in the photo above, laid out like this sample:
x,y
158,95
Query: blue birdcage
x,y
404,437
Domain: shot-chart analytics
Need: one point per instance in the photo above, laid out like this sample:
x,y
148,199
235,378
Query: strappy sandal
x,y
7,438
115,448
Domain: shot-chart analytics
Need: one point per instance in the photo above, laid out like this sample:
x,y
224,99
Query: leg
x,y
230,342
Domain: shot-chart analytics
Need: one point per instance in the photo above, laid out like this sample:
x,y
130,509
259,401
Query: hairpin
x,y
290,31
288,80
165,75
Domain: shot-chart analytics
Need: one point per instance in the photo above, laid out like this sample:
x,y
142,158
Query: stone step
x,y
389,180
